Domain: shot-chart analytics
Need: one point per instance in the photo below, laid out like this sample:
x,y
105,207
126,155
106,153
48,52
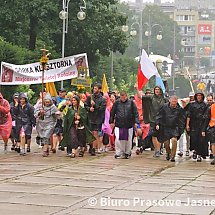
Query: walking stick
x,y
44,60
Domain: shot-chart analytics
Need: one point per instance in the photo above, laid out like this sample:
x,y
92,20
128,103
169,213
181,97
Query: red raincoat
x,y
5,118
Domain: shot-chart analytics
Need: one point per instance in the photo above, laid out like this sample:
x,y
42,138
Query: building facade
x,y
197,35
194,4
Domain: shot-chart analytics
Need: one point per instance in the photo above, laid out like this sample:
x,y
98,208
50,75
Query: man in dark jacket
x,y
172,119
25,120
125,115
96,105
195,120
13,131
151,106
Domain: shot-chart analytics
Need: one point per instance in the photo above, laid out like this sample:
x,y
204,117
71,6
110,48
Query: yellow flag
x,y
50,87
104,85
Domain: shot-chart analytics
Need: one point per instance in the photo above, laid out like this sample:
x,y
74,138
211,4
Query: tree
x,y
163,47
125,70
37,23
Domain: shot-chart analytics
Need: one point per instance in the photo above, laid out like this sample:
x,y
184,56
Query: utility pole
x,y
141,27
173,65
150,32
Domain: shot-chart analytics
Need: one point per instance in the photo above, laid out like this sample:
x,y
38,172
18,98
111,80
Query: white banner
x,y
57,70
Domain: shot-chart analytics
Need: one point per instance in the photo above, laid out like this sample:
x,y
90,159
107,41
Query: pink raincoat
x,y
106,128
5,118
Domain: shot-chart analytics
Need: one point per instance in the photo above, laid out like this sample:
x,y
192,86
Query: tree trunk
x,y
33,32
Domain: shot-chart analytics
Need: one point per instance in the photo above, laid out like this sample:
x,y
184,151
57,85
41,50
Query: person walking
x,y
209,129
46,122
195,120
124,114
75,131
96,106
5,121
13,131
172,119
25,121
151,106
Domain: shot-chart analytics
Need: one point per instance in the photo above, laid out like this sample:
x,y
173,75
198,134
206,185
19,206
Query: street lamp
x,y
64,15
148,32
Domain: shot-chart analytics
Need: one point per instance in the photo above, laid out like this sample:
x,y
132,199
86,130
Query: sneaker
x,y
5,148
117,156
127,156
172,159
99,151
180,154
28,149
105,149
213,162
73,155
53,151
157,154
167,157
22,152
211,156
45,154
187,153
137,151
61,148
12,147
93,152
199,159
81,154
18,150
161,152
194,155
141,150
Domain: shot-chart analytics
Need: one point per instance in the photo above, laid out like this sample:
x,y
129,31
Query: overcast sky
x,y
149,0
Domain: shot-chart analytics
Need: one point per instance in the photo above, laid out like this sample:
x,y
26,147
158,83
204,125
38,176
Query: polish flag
x,y
146,70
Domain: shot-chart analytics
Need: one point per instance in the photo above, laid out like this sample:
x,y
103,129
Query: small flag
x,y
159,82
50,87
146,70
104,85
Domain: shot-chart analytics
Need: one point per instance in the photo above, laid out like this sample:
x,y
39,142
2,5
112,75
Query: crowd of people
x,y
99,122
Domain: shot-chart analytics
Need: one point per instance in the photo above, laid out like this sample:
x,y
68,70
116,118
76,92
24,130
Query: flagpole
x,y
111,72
141,28
43,60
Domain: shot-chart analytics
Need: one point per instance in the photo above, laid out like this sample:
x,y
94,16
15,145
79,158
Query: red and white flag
x,y
146,70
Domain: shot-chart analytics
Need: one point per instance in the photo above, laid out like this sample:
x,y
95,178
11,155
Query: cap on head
x,y
62,90
191,94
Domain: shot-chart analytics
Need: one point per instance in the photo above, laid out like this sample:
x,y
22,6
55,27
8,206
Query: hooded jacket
x,y
171,119
25,115
4,110
197,112
5,118
152,105
12,106
45,126
97,117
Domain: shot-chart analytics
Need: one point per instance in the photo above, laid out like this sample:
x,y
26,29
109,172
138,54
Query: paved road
x,y
102,185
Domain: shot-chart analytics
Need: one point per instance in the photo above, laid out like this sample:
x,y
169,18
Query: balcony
x,y
188,33
189,43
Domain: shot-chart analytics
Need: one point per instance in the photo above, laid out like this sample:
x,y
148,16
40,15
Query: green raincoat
x,y
68,122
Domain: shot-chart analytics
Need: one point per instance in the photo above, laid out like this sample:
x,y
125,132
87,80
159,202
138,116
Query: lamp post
x,y
148,32
64,14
